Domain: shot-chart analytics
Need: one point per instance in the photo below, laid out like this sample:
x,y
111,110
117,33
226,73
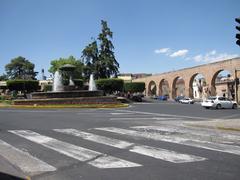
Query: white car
x,y
219,102
186,100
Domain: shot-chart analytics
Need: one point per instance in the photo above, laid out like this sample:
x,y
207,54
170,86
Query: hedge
x,y
47,87
109,85
78,82
23,85
134,87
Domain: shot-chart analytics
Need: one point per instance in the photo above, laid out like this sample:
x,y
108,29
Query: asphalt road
x,y
147,141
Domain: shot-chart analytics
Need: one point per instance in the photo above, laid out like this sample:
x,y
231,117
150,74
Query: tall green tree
x,y
57,63
100,59
20,68
90,57
109,65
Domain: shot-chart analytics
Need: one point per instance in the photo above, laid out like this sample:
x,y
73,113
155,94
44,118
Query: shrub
x,y
78,82
134,87
23,85
47,87
2,98
110,85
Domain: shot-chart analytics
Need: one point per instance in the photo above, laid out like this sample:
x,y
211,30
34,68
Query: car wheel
x,y
234,106
218,106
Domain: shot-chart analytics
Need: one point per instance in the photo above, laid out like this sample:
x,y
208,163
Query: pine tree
x,y
109,65
100,60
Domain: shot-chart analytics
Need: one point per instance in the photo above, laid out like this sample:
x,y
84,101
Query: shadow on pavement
x,y
4,176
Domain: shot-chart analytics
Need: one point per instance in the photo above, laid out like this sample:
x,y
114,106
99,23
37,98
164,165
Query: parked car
x,y
186,100
219,102
163,98
136,97
178,98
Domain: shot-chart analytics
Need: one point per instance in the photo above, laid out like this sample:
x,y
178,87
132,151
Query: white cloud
x,y
213,56
179,53
162,51
198,58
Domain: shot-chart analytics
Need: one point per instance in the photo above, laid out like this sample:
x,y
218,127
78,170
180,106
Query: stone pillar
x,y
187,89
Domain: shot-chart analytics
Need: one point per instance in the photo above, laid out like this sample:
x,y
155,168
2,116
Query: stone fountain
x,y
66,94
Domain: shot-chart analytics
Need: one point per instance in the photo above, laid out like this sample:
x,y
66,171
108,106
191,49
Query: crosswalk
x,y
32,165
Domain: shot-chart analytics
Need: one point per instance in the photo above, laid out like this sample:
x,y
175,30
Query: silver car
x,y
186,100
219,102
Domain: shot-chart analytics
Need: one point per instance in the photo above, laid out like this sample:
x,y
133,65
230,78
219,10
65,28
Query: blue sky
x,y
150,36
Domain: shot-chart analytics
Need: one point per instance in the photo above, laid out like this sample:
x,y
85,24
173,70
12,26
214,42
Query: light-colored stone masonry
x,y
209,71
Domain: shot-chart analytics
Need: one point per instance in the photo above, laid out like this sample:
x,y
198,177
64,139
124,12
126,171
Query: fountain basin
x,y
67,98
66,94
68,101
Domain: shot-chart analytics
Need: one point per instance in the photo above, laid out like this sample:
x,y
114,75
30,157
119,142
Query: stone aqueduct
x,y
209,71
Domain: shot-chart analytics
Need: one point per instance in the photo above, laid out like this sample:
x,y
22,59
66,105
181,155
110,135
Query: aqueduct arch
x,y
152,88
164,88
209,71
178,87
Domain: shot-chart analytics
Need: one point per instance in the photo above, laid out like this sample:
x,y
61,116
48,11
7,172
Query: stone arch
x,y
201,84
178,88
228,83
164,88
152,88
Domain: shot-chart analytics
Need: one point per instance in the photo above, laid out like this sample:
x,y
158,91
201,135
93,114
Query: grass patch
x,y
5,103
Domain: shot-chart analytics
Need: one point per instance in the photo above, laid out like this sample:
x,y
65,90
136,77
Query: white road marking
x,y
124,113
144,118
157,153
184,130
112,162
166,155
130,118
160,114
173,139
76,152
26,162
165,118
96,138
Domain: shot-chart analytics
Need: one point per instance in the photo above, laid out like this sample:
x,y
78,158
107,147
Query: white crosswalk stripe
x,y
175,139
95,158
229,138
34,166
157,153
23,160
96,138
166,155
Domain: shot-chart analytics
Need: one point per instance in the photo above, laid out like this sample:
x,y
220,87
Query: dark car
x,y
136,97
178,98
163,98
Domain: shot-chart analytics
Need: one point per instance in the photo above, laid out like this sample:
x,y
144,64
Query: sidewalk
x,y
220,124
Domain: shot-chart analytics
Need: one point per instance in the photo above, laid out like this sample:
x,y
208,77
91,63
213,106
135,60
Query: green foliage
x,y
78,82
134,87
90,57
56,64
20,68
3,77
23,85
110,85
100,60
2,98
47,87
109,65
